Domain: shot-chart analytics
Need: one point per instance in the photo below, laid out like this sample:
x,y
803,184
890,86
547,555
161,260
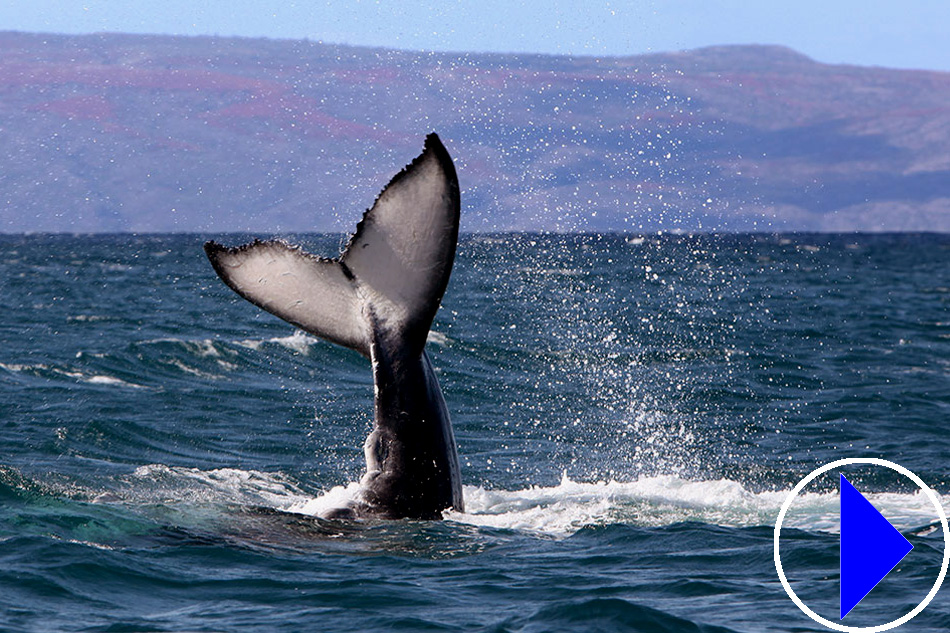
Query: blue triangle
x,y
870,547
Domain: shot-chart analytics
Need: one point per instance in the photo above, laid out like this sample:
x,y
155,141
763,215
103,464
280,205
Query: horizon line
x,y
462,52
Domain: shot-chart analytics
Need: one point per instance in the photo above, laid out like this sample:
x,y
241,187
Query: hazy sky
x,y
908,34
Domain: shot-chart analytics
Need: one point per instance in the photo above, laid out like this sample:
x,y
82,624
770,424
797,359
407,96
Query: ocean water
x,y
631,412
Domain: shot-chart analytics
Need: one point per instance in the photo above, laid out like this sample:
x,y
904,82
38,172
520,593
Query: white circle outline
x,y
877,462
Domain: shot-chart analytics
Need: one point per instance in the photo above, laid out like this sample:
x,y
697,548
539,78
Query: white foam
x,y
188,369
109,380
101,546
557,510
437,338
17,368
664,500
336,497
299,342
88,318
203,348
224,485
92,379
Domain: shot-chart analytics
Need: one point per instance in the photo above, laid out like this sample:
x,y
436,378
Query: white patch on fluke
x,y
310,292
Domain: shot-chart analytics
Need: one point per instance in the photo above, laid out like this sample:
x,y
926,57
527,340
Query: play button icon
x,y
870,547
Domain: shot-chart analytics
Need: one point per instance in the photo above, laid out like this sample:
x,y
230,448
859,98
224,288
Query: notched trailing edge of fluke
x,y
432,144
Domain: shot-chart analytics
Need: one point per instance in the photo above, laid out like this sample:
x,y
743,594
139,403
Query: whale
x,y
378,297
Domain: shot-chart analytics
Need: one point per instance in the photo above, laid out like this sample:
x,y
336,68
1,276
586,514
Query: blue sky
x,y
911,34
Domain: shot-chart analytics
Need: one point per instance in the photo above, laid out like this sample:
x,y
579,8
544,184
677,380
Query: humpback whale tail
x,y
379,297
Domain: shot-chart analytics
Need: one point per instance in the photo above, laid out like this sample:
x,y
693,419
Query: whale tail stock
x,y
379,297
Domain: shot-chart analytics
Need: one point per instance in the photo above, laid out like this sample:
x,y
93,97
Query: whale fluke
x,y
379,298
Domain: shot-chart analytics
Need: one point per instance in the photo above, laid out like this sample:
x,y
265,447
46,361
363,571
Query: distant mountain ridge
x,y
156,133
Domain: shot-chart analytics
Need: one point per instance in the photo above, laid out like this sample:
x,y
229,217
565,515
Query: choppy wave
x,y
157,482
166,357
729,364
665,500
557,511
43,370
299,342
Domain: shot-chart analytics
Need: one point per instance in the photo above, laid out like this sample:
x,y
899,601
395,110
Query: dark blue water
x,y
631,413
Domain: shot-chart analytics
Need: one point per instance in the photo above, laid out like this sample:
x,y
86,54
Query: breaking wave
x,y
557,511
